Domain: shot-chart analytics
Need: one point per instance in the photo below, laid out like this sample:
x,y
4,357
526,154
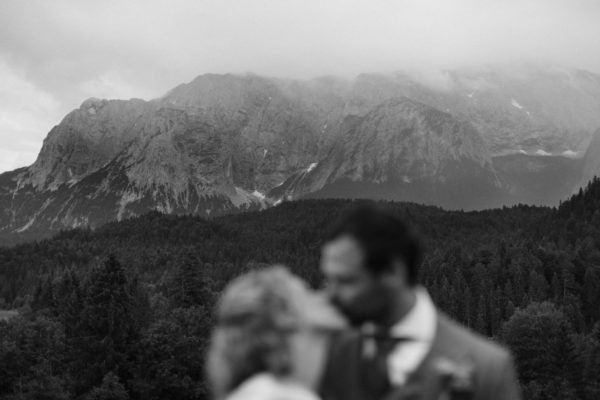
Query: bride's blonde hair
x,y
255,316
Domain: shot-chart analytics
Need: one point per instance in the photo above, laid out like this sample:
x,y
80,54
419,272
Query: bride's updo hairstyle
x,y
255,316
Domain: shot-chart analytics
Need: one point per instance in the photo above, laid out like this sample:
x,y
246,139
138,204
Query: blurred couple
x,y
372,333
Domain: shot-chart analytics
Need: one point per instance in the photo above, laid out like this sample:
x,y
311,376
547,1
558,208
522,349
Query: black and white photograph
x,y
300,200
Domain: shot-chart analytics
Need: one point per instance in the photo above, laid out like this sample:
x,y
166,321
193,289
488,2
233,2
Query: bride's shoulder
x,y
266,386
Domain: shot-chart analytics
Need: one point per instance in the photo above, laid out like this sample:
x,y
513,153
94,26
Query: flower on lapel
x,y
457,378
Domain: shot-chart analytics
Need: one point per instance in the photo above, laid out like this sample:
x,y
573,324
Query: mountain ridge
x,y
228,143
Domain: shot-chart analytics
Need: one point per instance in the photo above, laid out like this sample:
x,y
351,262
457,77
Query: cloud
x,y
26,114
71,50
111,84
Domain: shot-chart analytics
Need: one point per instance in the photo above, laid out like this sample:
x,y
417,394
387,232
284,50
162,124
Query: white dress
x,y
266,386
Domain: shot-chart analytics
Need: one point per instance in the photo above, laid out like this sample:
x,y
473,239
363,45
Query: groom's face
x,y
359,294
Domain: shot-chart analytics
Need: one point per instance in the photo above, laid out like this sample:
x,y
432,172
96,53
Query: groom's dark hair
x,y
383,236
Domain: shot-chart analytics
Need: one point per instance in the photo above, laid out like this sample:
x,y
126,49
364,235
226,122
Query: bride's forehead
x,y
265,284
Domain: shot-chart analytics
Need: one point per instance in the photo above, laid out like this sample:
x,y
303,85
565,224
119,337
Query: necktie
x,y
374,370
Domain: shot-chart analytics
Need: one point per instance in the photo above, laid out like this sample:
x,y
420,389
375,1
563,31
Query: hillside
x,y
488,269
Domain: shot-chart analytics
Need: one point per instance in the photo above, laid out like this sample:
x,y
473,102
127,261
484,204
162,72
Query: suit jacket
x,y
460,365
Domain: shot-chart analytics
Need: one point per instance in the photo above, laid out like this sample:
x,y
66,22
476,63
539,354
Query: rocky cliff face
x,y
400,150
207,148
225,143
85,140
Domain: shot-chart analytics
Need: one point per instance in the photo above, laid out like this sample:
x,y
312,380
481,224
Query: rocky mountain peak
x,y
402,137
85,140
224,143
225,92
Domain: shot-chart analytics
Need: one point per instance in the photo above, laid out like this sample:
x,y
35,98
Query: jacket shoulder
x,y
464,340
492,362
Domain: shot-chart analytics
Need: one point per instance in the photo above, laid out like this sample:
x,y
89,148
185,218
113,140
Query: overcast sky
x,y
54,54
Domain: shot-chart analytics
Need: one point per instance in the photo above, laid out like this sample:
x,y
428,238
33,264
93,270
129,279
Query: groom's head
x,y
369,259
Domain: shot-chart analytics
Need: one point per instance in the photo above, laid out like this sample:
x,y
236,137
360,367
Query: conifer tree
x,y
107,332
539,337
110,389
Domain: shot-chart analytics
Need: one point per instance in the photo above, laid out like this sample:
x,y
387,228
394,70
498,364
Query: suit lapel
x,y
425,383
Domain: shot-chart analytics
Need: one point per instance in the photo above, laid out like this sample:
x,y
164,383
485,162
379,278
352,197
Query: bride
x,y
271,338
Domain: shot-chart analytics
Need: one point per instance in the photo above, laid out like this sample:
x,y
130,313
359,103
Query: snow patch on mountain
x,y
27,225
164,207
258,195
128,196
515,104
541,152
570,154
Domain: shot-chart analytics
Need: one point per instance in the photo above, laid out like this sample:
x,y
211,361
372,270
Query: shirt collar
x,y
420,322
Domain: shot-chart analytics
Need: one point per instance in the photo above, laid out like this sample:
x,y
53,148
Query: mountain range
x,y
471,139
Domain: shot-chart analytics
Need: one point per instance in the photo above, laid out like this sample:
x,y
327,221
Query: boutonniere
x,y
457,379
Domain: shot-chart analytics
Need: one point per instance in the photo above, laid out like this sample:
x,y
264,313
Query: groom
x,y
403,347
